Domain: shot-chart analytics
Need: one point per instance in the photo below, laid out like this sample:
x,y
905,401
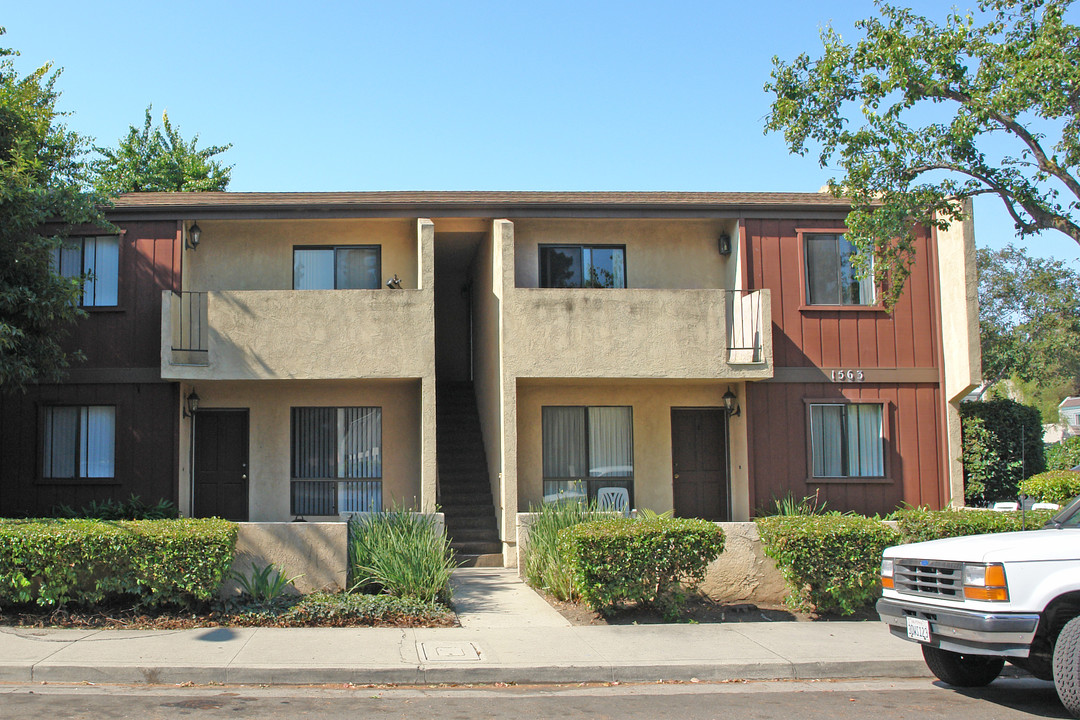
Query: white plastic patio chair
x,y
613,499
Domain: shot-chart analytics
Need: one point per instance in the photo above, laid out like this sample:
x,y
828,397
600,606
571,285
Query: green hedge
x,y
345,610
1064,455
1055,486
86,562
1002,445
920,524
644,561
831,563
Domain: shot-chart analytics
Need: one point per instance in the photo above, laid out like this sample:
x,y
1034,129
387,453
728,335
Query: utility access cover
x,y
450,651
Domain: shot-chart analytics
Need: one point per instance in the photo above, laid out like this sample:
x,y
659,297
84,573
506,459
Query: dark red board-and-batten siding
x,y
908,337
129,335
123,353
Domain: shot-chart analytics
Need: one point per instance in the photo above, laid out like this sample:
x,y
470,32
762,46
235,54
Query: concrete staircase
x,y
464,488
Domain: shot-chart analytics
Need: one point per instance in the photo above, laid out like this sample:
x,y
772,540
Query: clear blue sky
x,y
455,95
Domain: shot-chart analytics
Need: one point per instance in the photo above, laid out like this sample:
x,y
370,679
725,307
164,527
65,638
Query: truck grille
x,y
930,578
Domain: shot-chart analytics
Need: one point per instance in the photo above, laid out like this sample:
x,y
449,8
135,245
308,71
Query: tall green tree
x,y
158,159
1029,324
42,180
916,115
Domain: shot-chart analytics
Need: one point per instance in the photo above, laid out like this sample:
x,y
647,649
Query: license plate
x,y
918,629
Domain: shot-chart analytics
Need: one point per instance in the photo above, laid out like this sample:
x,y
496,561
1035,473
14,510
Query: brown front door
x,y
221,464
699,463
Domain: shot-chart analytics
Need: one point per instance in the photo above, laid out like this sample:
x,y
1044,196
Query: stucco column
x,y
425,281
506,492
961,356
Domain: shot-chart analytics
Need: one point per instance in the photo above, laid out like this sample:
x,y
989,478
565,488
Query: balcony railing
x,y
189,329
744,334
333,497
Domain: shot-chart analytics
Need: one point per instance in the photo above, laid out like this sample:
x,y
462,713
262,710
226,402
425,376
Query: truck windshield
x,y
1069,517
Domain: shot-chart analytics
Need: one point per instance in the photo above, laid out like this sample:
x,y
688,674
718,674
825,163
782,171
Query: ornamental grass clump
x,y
652,563
546,567
400,553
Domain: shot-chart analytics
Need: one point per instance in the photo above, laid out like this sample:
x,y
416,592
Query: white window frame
x,y
98,266
87,461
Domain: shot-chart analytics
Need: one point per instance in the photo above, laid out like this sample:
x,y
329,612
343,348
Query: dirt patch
x,y
700,610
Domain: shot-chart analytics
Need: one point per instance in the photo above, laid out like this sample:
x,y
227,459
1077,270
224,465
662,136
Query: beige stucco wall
x,y
959,292
258,254
311,334
659,253
623,333
652,402
269,405
315,553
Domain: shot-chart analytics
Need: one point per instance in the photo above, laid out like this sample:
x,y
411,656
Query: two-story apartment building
x,y
268,356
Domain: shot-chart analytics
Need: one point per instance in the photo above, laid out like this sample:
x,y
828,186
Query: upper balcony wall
x,y
258,254
597,333
660,254
308,334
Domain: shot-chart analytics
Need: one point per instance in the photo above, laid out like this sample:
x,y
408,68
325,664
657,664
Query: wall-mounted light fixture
x,y
194,234
191,404
731,403
394,283
723,244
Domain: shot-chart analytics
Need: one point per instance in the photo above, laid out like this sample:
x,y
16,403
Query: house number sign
x,y
847,375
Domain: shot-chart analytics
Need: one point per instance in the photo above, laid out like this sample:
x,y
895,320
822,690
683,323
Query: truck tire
x,y
962,670
1067,666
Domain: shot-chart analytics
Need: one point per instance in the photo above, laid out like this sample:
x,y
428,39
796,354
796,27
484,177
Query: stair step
x,y
487,560
468,511
473,535
476,548
465,522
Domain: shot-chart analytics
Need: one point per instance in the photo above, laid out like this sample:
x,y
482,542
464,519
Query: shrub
x,y
831,562
1055,486
546,567
621,560
401,553
1002,445
263,585
789,505
131,509
344,610
85,562
1064,455
921,524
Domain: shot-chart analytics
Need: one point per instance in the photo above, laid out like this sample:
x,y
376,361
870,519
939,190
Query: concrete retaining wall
x,y
316,553
742,573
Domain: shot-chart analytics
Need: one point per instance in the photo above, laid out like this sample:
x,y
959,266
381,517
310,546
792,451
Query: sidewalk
x,y
508,635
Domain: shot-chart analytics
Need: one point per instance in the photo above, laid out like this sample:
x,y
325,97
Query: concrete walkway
x,y
508,634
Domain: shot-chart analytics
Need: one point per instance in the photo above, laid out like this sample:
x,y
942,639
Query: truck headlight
x,y
886,573
985,581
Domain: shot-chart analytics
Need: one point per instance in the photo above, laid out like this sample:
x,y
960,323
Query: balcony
x,y
638,333
297,334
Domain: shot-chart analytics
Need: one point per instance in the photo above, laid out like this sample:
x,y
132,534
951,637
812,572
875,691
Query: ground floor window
x,y
336,460
847,440
79,442
586,448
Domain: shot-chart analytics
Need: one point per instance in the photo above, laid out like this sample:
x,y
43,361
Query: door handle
x,y
243,477
676,476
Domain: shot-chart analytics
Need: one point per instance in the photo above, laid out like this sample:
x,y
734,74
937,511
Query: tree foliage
x,y
158,159
1002,445
947,111
41,180
1029,324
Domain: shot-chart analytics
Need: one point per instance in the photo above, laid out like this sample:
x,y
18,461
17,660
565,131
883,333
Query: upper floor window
x,y
830,274
847,440
79,442
590,266
98,259
337,268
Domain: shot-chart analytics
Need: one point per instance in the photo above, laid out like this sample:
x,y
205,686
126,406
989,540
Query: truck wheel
x,y
962,670
1067,666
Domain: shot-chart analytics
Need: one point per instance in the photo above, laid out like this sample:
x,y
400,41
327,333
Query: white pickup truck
x,y
974,602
